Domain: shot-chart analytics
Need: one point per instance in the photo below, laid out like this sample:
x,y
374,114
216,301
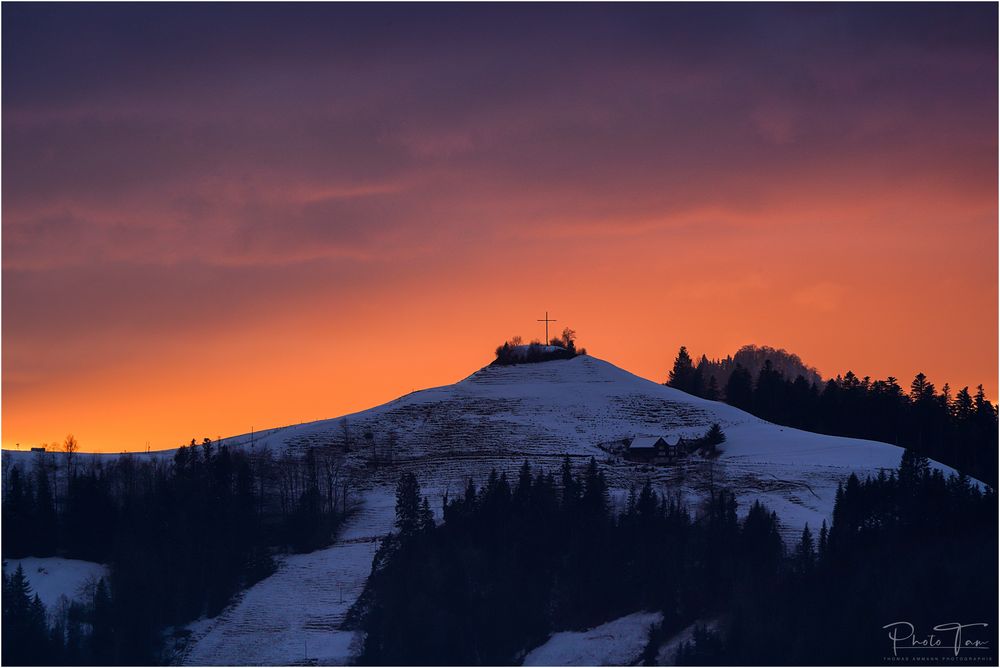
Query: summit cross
x,y
546,321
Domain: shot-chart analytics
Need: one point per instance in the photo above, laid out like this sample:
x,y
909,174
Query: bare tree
x,y
69,448
568,337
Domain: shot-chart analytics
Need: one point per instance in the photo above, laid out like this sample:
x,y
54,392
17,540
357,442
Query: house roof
x,y
645,442
651,442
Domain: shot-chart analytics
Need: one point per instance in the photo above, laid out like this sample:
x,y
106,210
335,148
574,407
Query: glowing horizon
x,y
225,217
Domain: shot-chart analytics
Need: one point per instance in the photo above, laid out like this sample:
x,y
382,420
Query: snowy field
x,y
53,577
617,643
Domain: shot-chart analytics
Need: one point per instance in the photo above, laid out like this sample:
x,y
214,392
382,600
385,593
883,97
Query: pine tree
x,y
804,554
983,407
739,388
570,493
715,435
407,505
426,516
963,406
522,492
682,374
913,468
712,390
595,491
921,389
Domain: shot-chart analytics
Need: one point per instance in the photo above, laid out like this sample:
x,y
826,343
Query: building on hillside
x,y
654,449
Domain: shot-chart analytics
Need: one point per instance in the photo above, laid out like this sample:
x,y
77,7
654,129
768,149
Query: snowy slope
x,y
497,418
617,643
53,577
500,416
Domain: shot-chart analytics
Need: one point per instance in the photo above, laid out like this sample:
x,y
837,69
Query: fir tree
x,y
739,388
426,516
407,505
805,555
682,374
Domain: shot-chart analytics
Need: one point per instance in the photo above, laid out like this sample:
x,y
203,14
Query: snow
x,y
54,577
498,417
293,616
503,415
616,643
545,349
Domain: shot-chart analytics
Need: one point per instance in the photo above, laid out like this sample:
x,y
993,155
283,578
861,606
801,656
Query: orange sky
x,y
199,245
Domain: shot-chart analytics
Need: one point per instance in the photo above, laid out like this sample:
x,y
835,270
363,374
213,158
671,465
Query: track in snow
x,y
293,616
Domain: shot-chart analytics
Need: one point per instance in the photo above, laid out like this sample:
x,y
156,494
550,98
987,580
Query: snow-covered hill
x,y
502,415
497,418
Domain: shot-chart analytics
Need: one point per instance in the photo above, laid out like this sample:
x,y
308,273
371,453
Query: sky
x,y
218,217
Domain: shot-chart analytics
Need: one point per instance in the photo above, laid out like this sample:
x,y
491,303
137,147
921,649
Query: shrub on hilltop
x,y
514,351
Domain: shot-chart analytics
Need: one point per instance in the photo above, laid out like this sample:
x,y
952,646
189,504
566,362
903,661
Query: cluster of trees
x,y
708,377
513,562
28,639
515,351
180,537
955,428
910,546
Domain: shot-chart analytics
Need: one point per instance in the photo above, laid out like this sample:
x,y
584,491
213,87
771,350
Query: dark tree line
x,y
514,561
956,428
180,537
708,377
911,545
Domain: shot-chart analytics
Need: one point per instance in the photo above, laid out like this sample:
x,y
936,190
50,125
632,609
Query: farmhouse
x,y
653,449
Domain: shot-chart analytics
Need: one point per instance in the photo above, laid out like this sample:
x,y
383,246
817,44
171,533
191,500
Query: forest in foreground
x,y
515,561
181,538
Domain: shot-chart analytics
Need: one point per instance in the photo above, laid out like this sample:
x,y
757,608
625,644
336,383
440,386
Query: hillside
x,y
497,418
583,407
